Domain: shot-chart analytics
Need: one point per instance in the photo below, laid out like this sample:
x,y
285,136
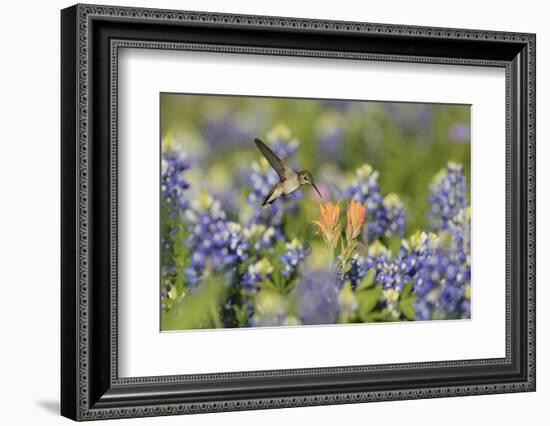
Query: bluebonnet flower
x,y
391,273
390,218
294,254
441,289
173,200
438,270
260,236
173,185
255,273
423,248
282,142
411,117
447,195
317,295
455,293
357,271
442,280
196,149
331,133
385,216
237,247
460,132
212,241
223,188
365,188
226,128
409,264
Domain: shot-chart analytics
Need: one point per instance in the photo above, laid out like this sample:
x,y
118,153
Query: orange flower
x,y
330,213
328,225
355,219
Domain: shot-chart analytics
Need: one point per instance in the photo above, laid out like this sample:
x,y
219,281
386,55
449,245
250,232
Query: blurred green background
x,y
406,142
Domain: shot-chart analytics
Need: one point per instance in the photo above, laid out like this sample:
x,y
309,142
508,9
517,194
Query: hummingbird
x,y
289,180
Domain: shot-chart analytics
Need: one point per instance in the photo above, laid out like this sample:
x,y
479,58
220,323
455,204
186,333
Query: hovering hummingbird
x,y
289,180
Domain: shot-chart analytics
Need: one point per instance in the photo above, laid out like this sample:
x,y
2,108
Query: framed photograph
x,y
263,212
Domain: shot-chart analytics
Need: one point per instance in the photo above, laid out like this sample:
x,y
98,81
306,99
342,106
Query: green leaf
x,y
407,288
406,307
241,315
277,266
280,246
368,299
244,266
342,247
267,284
346,267
407,301
173,293
377,316
394,244
195,309
368,280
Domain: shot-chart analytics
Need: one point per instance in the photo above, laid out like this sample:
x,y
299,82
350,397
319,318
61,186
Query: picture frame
x,y
91,37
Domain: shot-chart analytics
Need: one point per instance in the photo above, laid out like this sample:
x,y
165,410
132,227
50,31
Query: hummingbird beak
x,y
318,192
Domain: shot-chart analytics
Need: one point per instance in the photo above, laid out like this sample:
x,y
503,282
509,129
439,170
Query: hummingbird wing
x,y
277,163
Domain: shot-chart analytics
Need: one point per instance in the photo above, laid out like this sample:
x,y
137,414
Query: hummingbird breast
x,y
290,184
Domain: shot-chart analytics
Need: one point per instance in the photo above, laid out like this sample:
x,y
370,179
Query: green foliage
x,y
368,280
368,299
406,301
394,244
196,310
177,255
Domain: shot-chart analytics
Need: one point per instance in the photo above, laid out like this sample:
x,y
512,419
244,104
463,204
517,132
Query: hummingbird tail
x,y
268,199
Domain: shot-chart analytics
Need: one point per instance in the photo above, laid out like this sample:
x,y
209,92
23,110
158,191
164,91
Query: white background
x,y
140,343
29,229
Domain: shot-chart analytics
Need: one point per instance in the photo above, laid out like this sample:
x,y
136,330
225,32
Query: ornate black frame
x,y
91,37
